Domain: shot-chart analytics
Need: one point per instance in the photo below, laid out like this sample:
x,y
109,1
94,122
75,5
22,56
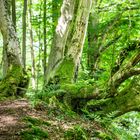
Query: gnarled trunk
x,y
65,56
15,77
126,101
68,41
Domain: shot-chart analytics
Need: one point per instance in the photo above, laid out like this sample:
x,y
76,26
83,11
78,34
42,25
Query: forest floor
x,y
17,116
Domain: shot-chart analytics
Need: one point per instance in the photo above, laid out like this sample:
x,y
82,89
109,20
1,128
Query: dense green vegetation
x,y
75,60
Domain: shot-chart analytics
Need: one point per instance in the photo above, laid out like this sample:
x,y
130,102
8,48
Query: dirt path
x,y
11,115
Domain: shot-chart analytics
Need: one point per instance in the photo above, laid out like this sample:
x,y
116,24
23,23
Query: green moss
x,y
76,95
10,84
78,90
65,72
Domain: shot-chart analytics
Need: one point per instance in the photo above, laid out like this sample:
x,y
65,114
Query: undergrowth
x,y
76,133
34,130
110,129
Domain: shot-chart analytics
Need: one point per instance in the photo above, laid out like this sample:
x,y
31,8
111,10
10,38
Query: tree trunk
x,y
24,34
89,97
45,43
55,13
93,50
125,72
128,100
39,66
15,78
68,41
31,47
14,13
110,99
64,58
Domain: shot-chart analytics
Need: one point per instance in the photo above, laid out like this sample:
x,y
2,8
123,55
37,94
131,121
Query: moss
x,y
76,95
120,104
65,72
78,90
34,129
10,84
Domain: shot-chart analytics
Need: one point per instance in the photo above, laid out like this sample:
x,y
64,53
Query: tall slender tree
x,y
40,49
45,43
24,34
31,46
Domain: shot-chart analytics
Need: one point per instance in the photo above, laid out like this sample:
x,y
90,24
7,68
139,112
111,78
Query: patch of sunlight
x,y
7,120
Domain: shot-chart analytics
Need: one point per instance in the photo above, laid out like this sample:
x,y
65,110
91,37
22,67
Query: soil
x,y
13,112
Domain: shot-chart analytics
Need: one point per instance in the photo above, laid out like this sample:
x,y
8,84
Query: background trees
x,y
79,49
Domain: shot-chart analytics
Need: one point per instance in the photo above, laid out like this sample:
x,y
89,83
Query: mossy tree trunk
x,y
64,59
15,76
112,98
126,101
68,41
124,72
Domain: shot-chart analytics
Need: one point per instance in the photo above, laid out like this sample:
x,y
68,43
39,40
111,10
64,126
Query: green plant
x,y
35,121
34,131
76,133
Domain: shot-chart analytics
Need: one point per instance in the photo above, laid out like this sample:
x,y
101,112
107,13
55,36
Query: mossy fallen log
x,y
77,97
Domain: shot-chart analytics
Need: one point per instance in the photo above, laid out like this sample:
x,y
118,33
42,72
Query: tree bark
x,y
68,41
125,72
14,13
128,100
15,77
24,34
31,47
45,43
64,58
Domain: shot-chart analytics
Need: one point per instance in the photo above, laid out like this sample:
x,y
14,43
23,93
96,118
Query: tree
x,y
16,78
45,43
68,41
24,34
31,46
14,12
65,57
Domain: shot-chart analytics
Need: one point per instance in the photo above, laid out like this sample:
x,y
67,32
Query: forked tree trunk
x,y
15,78
68,41
63,62
108,100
